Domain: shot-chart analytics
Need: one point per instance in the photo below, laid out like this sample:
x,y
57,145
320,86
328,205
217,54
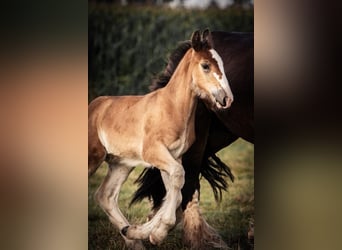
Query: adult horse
x,y
214,131
154,130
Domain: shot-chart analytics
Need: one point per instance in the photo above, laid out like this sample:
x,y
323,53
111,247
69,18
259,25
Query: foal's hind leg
x,y
107,196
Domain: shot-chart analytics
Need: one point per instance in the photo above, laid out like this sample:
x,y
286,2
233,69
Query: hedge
x,y
129,45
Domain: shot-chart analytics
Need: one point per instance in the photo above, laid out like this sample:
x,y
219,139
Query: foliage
x,y
129,45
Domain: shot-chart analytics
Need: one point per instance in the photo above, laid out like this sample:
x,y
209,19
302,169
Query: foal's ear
x,y
196,40
207,39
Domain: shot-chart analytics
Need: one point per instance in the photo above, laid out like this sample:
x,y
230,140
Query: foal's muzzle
x,y
223,101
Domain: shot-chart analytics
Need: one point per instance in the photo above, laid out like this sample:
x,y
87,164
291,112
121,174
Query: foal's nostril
x,y
124,230
225,99
226,102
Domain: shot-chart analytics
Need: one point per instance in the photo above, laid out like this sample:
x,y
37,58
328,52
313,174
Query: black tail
x,y
151,185
215,173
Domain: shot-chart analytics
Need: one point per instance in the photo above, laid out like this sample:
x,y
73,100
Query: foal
x,y
154,130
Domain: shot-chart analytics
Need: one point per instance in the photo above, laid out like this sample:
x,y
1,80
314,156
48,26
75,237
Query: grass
x,y
230,218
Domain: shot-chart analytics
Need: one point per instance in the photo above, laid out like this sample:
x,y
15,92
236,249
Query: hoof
x,y
152,241
124,230
157,236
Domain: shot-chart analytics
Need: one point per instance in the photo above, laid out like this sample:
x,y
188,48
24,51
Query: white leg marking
x,y
158,227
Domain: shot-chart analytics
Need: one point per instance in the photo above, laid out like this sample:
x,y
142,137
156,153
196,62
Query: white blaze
x,y
223,79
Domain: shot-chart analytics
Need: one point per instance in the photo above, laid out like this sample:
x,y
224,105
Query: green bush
x,y
129,45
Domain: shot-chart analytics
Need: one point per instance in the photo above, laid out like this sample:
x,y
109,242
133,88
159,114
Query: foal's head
x,y
208,78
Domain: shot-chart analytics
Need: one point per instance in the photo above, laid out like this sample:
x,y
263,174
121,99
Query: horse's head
x,y
208,78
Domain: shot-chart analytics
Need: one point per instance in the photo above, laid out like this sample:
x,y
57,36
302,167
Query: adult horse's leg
x,y
198,234
107,196
158,227
193,158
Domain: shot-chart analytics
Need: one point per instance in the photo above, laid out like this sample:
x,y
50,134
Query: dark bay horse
x,y
154,130
214,130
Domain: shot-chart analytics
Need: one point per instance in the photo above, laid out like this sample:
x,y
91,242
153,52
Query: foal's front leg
x,y
158,227
168,212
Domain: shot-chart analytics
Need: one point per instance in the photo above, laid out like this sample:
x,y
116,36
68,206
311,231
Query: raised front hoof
x,y
124,230
135,232
152,240
158,235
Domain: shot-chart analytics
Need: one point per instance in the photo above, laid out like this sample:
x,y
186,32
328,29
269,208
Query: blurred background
x,y
129,41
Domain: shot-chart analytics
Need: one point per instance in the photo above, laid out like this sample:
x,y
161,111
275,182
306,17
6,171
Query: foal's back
x,y
117,118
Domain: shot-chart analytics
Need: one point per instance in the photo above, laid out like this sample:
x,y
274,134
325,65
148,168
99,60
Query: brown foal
x,y
154,130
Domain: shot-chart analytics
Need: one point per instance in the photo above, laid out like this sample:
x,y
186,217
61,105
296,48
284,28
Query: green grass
x,y
230,218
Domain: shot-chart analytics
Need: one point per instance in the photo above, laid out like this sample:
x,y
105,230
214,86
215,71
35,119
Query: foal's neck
x,y
180,89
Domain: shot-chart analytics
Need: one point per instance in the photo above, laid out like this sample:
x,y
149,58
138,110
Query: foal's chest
x,y
182,143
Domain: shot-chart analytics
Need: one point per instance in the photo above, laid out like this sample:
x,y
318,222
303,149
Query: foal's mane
x,y
174,59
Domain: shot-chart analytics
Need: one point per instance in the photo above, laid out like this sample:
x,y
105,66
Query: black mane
x,y
176,56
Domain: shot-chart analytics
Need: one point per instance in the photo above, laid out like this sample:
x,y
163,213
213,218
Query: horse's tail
x,y
216,173
96,151
96,155
151,186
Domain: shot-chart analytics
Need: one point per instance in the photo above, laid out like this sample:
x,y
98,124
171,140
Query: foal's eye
x,y
205,67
